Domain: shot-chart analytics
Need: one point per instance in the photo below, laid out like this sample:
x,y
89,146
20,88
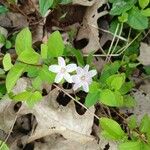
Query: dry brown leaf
x,y
144,57
90,30
84,2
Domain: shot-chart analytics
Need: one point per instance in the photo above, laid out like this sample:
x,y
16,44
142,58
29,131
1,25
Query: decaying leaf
x,y
144,57
90,30
84,2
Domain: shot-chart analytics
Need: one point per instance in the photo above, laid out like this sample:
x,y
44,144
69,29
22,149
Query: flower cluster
x,y
82,78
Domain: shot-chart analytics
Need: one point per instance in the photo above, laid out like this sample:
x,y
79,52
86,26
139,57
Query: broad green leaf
x,y
126,87
23,41
2,39
112,128
2,71
109,70
8,44
123,17
111,98
146,12
44,50
143,3
147,69
116,81
32,71
3,146
55,45
36,83
121,6
91,99
145,124
130,146
7,62
44,6
29,57
129,101
3,9
132,123
13,75
136,20
145,146
94,87
46,75
31,98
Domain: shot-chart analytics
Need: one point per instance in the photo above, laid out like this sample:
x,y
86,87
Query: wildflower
x,y
63,70
83,78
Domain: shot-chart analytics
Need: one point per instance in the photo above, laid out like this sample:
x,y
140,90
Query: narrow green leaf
x,y
13,75
91,99
7,62
23,41
29,57
44,6
143,3
112,128
55,45
130,145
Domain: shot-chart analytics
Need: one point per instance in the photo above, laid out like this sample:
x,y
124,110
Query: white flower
x,y
63,70
83,78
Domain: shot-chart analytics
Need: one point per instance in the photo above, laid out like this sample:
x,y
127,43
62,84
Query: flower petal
x,y
71,67
54,68
75,78
61,62
86,68
92,73
58,77
85,87
79,70
76,86
67,77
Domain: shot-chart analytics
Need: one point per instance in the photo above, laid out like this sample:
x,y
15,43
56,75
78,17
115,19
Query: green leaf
x,y
143,3
147,69
123,17
3,146
121,6
136,20
13,75
146,12
112,128
111,98
3,9
116,81
44,50
55,45
29,57
130,145
32,71
132,123
44,6
109,70
91,99
145,124
2,39
129,101
31,98
94,86
23,41
8,44
126,87
7,62
46,75
36,83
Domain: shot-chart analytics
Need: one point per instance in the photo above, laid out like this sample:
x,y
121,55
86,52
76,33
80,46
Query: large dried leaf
x,y
90,30
144,57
